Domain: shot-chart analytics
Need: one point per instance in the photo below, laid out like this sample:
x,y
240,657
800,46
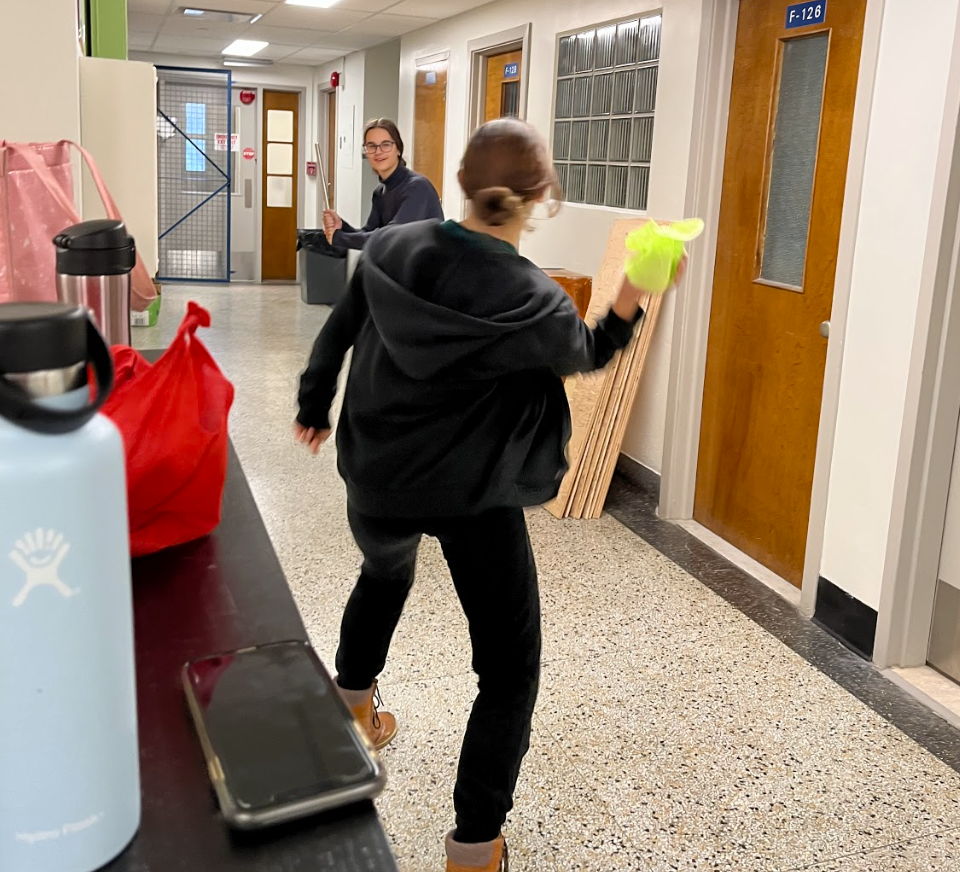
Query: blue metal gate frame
x,y
228,178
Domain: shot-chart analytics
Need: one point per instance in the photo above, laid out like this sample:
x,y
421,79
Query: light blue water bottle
x,y
69,765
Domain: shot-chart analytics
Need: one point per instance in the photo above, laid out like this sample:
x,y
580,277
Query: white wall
x,y
577,238
282,77
381,95
905,126
118,109
40,92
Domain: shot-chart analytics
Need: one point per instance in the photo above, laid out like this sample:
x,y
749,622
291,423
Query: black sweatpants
x,y
495,577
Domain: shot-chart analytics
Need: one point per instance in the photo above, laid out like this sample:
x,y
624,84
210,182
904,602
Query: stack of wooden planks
x,y
600,403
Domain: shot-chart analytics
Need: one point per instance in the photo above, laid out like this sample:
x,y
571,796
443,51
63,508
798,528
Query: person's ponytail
x,y
497,206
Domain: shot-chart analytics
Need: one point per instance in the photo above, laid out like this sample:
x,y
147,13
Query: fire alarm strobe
x,y
335,80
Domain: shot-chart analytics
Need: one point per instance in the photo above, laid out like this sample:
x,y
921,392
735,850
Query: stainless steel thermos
x,y
94,262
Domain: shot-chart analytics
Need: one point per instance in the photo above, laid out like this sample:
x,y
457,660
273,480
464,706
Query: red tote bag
x,y
173,418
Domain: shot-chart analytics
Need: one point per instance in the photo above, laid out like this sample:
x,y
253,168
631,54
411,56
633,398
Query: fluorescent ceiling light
x,y
244,48
193,12
247,62
319,4
256,18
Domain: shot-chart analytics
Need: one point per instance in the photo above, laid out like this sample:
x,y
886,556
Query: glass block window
x,y
603,118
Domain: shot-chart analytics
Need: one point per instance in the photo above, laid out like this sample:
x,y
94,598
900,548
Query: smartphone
x,y
279,741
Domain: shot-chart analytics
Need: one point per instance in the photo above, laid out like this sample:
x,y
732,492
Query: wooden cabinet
x,y
578,287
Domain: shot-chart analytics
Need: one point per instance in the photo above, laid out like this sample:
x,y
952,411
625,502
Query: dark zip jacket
x,y
403,198
454,402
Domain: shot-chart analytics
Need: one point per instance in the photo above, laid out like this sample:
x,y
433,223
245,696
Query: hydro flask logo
x,y
40,555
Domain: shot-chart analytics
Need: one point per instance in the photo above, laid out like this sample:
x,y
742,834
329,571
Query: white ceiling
x,y
297,34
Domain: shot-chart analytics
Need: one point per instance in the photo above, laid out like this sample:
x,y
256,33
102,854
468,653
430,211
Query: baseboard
x,y
638,474
846,618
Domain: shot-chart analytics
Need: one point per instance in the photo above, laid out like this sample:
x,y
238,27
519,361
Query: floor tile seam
x,y
874,850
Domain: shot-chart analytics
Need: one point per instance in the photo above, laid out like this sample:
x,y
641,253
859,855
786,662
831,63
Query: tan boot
x,y
484,857
381,727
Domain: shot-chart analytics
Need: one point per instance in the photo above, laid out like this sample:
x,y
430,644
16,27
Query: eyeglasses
x,y
385,147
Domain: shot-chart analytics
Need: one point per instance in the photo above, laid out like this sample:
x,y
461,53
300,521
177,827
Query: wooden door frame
x,y
325,93
718,38
303,150
515,39
426,60
931,412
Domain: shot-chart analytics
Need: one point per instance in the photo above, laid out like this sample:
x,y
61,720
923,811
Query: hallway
x,y
672,732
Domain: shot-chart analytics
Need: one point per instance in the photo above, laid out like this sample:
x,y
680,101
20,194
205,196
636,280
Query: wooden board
x,y
585,392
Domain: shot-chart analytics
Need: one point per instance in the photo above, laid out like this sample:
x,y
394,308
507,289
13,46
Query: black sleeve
x,y
348,237
571,346
420,203
318,384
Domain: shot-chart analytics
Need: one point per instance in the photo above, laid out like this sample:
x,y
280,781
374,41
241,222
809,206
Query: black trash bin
x,y
323,269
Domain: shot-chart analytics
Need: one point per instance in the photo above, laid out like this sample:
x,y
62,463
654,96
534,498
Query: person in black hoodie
x,y
402,196
454,420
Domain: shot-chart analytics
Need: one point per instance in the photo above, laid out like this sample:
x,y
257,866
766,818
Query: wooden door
x,y
331,155
791,111
430,130
280,159
502,91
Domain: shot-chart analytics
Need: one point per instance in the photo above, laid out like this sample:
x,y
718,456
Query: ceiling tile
x,y
254,7
189,45
314,56
348,41
278,51
178,25
286,35
323,20
156,7
436,8
366,5
141,41
141,22
390,25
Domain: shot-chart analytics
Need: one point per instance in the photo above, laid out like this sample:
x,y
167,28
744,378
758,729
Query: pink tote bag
x,y
36,203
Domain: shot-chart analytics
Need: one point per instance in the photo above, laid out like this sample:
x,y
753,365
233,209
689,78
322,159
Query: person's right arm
x,y
573,346
347,237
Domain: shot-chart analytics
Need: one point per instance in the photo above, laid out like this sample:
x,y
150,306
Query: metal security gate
x,y
195,147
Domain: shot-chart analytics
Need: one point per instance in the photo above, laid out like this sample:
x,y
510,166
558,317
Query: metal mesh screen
x,y
194,148
603,119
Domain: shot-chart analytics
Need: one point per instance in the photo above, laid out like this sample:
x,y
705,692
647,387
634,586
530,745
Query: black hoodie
x,y
454,402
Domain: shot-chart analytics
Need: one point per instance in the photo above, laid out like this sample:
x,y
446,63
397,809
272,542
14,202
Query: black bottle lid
x,y
41,336
95,248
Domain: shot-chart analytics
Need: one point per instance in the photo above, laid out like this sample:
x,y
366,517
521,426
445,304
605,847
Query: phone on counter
x,y
279,741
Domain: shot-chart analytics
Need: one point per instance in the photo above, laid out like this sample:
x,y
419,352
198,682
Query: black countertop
x,y
222,593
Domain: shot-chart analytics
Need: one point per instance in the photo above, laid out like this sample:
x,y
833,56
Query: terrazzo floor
x,y
672,732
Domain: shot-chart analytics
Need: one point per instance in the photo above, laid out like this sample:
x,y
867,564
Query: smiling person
x,y
402,197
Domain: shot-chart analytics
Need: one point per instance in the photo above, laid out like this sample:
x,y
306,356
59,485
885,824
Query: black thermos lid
x,y
95,248
39,336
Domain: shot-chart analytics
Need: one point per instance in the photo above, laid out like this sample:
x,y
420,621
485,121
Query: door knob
x,y
825,329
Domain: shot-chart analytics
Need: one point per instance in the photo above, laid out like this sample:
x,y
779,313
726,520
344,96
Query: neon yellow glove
x,y
656,252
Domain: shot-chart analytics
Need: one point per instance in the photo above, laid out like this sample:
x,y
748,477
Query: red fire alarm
x,y
335,80
247,97
311,168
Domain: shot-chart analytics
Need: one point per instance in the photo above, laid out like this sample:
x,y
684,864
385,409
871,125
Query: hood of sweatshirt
x,y
445,306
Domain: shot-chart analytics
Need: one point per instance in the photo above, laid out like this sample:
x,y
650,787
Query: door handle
x,y
825,329
248,193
